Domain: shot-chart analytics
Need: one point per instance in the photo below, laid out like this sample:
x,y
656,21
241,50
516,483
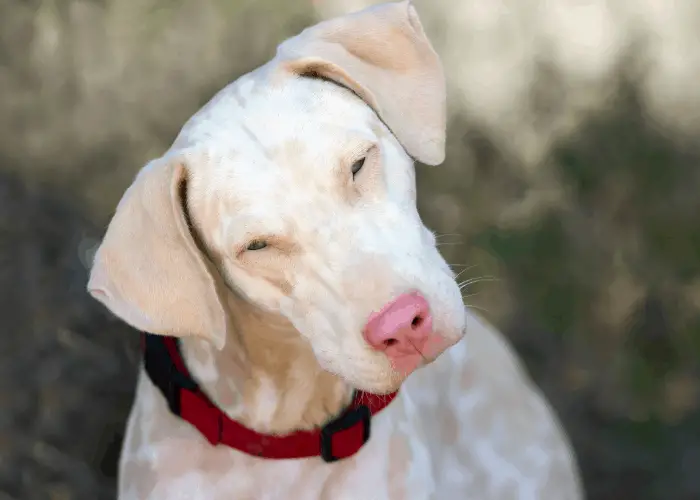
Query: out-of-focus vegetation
x,y
579,196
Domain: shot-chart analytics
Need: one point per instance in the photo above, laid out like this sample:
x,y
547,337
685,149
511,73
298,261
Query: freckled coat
x,y
274,337
469,426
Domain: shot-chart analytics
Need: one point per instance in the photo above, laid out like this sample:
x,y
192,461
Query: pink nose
x,y
402,327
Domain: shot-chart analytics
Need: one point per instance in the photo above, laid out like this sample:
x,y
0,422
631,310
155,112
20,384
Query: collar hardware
x,y
353,420
340,438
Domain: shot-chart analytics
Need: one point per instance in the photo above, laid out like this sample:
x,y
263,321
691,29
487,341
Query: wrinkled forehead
x,y
270,127
306,109
272,148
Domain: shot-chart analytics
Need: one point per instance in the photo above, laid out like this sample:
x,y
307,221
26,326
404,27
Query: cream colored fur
x,y
274,334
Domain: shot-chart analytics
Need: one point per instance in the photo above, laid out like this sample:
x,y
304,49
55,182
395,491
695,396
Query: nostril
x,y
400,324
417,322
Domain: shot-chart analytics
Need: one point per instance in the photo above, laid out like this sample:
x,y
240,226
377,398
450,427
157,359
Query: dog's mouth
x,y
401,367
418,356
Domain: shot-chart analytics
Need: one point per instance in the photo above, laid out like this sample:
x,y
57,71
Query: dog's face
x,y
297,179
307,203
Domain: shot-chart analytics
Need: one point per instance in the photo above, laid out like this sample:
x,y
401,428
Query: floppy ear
x,y
149,270
383,55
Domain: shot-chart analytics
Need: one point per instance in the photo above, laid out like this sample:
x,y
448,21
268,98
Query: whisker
x,y
462,265
461,273
465,266
480,279
483,309
439,239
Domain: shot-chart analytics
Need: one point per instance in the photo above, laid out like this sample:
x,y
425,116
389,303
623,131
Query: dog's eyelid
x,y
357,166
254,245
360,160
261,245
257,244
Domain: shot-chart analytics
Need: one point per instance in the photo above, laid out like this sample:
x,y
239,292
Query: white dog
x,y
276,258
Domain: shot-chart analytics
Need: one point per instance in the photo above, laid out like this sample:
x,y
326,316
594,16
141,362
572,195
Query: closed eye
x,y
256,245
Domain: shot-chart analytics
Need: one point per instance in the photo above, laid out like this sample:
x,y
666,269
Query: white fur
x,y
272,163
350,257
508,446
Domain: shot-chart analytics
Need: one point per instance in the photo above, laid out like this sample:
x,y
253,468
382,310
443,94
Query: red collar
x,y
340,438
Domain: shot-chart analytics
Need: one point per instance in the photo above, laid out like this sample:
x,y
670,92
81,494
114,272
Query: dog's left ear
x,y
383,55
149,270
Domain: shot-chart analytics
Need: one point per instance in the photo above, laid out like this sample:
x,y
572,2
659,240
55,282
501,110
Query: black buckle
x,y
346,421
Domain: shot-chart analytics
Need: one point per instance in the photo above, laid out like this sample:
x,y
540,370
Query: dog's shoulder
x,y
490,422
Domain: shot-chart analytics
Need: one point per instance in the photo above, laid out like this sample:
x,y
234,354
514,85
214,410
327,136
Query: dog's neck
x,y
267,377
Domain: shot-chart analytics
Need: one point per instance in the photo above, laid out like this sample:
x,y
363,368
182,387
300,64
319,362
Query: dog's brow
x,y
242,101
256,140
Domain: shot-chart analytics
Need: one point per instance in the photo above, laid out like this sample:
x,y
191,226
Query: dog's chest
x,y
395,464
437,440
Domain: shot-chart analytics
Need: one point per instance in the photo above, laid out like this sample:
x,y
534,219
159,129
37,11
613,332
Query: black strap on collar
x,y
162,371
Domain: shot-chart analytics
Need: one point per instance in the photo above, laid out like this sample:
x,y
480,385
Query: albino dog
x,y
276,259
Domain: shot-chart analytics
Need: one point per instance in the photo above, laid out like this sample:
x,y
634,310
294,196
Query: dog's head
x,y
294,188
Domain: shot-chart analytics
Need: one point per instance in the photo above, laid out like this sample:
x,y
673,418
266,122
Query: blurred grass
x,y
596,251
601,289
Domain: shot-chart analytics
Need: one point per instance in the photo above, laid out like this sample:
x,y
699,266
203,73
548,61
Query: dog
x,y
303,337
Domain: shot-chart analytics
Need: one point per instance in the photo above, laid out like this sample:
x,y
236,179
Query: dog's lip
x,y
425,358
439,345
406,365
382,392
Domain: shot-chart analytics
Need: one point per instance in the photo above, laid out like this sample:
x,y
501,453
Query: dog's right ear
x,y
383,55
149,270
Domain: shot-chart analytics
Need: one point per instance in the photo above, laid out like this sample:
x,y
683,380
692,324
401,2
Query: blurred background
x,y
571,186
